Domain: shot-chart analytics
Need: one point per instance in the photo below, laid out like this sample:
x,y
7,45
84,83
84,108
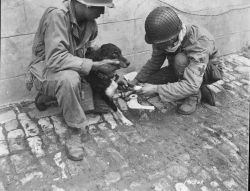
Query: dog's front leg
x,y
119,116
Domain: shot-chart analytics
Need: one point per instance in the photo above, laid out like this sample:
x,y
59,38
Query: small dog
x,y
105,84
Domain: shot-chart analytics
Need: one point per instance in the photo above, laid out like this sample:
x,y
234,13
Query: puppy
x,y
105,84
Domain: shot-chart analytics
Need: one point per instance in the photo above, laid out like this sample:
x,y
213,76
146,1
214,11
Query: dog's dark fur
x,y
100,81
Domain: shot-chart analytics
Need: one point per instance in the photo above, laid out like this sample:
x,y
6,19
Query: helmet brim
x,y
109,5
149,41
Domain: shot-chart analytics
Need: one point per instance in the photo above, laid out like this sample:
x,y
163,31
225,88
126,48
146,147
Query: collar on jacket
x,y
68,7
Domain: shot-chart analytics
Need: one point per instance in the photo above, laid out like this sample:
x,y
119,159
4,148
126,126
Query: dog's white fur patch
x,y
110,91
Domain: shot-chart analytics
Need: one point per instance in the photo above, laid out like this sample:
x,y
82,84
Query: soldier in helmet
x,y
190,51
59,65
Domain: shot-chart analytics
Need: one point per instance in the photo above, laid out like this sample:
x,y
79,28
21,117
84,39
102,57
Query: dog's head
x,y
108,51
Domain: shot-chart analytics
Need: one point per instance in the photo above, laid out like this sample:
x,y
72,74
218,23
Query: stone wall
x,y
228,21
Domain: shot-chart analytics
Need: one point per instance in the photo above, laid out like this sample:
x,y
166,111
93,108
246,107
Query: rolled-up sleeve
x,y
57,46
152,65
198,56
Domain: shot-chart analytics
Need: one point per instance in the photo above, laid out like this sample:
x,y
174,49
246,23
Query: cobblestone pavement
x,y
162,151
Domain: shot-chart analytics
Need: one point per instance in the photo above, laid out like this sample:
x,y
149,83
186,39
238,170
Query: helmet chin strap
x,y
180,39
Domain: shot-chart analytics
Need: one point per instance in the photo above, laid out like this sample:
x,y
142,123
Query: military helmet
x,y
98,3
161,25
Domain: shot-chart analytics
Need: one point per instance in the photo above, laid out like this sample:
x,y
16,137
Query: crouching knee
x,y
70,80
180,63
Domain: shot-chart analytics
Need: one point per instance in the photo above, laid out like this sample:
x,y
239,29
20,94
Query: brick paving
x,y
163,151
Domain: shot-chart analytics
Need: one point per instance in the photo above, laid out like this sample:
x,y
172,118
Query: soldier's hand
x,y
133,83
106,66
122,83
148,89
127,84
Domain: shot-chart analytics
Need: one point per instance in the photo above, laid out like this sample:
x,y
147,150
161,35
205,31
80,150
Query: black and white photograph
x,y
124,95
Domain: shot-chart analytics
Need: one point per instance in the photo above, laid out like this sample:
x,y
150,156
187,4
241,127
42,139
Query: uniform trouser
x,y
65,86
175,71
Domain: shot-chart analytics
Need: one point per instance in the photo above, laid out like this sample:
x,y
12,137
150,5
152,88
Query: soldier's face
x,y
168,44
95,12
84,12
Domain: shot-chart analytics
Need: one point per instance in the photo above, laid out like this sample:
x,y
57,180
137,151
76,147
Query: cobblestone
x,y
52,148
185,159
2,137
137,185
133,137
47,167
49,138
15,134
47,127
3,149
35,144
120,161
7,116
60,163
23,162
243,69
2,186
177,171
193,181
90,150
101,142
76,168
60,128
214,184
181,187
4,166
55,188
30,128
112,177
93,130
103,163
204,188
218,189
11,125
109,133
231,184
31,176
204,175
16,140
156,175
162,185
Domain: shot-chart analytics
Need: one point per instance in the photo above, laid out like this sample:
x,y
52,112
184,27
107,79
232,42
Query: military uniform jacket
x,y
60,43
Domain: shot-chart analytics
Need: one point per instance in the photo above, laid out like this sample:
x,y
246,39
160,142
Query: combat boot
x,y
42,102
73,145
207,95
190,104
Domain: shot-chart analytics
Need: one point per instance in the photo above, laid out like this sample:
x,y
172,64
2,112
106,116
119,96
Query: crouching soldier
x,y
190,51
59,65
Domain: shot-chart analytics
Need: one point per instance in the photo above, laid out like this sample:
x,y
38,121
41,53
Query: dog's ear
x,y
110,51
104,51
95,55
89,53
